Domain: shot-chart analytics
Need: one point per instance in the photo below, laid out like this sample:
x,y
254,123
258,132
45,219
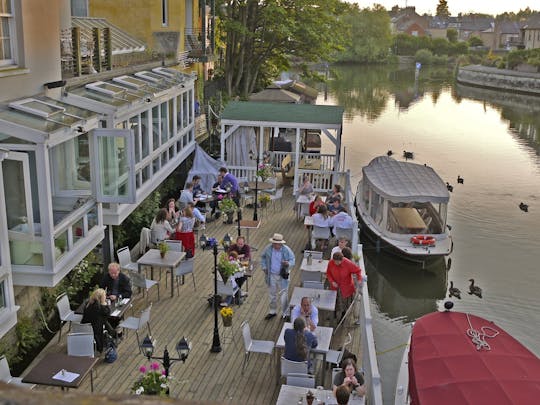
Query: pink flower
x,y
154,366
163,372
142,369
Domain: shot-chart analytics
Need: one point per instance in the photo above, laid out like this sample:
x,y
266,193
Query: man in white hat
x,y
276,261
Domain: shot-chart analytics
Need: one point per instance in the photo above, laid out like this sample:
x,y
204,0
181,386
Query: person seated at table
x,y
116,284
299,341
321,219
230,183
308,311
335,193
306,188
197,188
184,231
335,207
342,243
172,213
96,313
339,275
342,220
347,253
241,248
186,196
200,219
342,395
160,229
315,204
239,277
214,204
350,378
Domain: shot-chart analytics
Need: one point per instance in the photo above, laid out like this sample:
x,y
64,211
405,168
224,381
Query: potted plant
x,y
226,315
228,206
163,249
226,266
265,171
264,199
152,382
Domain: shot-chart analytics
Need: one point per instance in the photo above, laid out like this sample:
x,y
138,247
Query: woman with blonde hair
x,y
184,231
96,313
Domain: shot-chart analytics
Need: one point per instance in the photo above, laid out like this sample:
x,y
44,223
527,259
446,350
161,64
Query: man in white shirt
x,y
342,242
308,311
186,196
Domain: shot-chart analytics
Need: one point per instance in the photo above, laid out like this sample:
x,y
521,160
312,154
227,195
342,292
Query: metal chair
x,y
124,259
310,276
139,280
343,233
334,356
335,371
65,312
301,380
289,366
276,197
80,344
5,375
254,346
136,324
320,233
317,285
175,246
186,267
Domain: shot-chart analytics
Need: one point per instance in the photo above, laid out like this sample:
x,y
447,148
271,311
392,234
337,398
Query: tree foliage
x,y
452,35
442,9
369,35
405,44
475,41
262,36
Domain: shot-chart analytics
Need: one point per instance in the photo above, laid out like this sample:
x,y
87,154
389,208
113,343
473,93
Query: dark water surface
x,y
491,139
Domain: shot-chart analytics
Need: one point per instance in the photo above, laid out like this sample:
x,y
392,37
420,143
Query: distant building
x,y
530,33
407,21
507,35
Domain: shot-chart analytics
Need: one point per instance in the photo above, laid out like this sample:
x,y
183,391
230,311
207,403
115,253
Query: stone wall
x,y
502,79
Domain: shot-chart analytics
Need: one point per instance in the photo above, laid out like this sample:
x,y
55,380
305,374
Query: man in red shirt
x,y
339,274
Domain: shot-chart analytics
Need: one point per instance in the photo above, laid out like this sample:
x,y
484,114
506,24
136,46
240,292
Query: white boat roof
x,y
405,181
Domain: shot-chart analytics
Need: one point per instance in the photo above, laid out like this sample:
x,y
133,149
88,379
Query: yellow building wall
x,y
141,18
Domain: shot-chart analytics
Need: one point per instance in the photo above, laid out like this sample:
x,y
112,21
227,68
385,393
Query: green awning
x,y
283,112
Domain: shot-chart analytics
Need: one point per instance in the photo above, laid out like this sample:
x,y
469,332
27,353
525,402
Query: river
x,y
491,139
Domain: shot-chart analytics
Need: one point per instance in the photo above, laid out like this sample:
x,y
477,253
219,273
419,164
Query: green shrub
x,y
424,56
439,60
28,336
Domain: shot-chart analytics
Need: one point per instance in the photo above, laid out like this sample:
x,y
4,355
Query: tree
x,y
475,41
262,36
451,35
442,9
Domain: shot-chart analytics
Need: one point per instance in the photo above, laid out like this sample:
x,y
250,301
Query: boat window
x,y
414,218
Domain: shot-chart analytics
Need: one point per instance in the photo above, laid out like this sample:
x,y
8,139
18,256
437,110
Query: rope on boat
x,y
392,349
479,337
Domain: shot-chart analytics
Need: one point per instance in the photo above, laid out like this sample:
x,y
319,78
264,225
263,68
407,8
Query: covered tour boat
x,y
459,358
403,206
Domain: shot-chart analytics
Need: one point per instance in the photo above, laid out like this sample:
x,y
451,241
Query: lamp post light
x,y
204,243
183,347
256,203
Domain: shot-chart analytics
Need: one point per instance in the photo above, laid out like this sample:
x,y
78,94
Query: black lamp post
x,y
204,243
239,213
183,347
256,203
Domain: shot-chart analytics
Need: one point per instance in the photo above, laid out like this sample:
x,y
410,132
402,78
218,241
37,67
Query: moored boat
x,y
403,206
459,358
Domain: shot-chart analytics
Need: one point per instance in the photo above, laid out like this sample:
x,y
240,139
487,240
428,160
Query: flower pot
x,y
227,321
162,254
230,217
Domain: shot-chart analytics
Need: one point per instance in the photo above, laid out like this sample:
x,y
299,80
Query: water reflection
x,y
404,290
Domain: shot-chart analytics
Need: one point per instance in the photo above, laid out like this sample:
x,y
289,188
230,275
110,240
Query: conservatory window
x,y
7,33
72,165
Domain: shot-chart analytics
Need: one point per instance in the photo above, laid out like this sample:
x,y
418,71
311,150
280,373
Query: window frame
x,y
164,13
11,18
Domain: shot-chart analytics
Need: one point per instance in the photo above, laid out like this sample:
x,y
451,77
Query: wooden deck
x,y
207,376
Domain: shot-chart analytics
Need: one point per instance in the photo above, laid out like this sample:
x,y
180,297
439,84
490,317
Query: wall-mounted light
x,y
54,85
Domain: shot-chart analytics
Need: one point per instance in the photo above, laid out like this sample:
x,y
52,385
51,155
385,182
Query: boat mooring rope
x,y
392,349
479,337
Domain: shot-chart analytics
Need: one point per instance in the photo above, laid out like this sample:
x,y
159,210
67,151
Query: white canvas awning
x,y
405,181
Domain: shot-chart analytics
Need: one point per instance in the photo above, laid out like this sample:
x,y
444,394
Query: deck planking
x,y
206,376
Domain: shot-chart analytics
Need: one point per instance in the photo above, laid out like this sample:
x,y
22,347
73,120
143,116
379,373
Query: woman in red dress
x,y
339,274
185,231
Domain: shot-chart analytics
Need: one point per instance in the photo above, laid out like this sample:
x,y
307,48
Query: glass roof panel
x,y
155,78
30,121
102,98
70,109
8,139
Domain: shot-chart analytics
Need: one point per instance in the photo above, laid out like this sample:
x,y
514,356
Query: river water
x,y
491,139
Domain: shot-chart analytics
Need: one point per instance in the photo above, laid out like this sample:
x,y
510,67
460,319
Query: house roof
x,y
532,24
275,94
326,115
509,27
122,42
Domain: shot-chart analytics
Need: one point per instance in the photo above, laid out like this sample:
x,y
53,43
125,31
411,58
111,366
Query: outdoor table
x,y
308,222
322,299
247,225
261,185
117,311
290,394
153,258
206,199
409,218
50,365
316,265
302,203
324,337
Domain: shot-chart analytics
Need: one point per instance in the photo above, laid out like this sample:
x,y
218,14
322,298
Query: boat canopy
x,y
446,367
405,181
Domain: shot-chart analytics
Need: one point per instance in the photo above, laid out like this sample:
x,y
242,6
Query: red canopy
x,y
445,366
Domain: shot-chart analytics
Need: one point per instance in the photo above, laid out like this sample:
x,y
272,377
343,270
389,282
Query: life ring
x,y
423,240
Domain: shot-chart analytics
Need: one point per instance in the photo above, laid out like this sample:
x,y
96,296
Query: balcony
x,y
199,50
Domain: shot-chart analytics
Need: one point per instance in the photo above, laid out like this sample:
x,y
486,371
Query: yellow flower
x,y
226,312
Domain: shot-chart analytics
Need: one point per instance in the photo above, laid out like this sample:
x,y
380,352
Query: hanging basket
x,y
227,321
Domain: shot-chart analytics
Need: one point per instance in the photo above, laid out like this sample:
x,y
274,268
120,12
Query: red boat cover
x,y
446,368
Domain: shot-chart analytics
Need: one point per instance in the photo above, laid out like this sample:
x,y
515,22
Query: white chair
x,y
335,371
80,344
65,312
276,197
310,276
124,259
317,285
315,254
254,346
343,233
186,267
334,356
136,324
139,280
5,375
82,328
301,380
320,233
175,246
289,366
